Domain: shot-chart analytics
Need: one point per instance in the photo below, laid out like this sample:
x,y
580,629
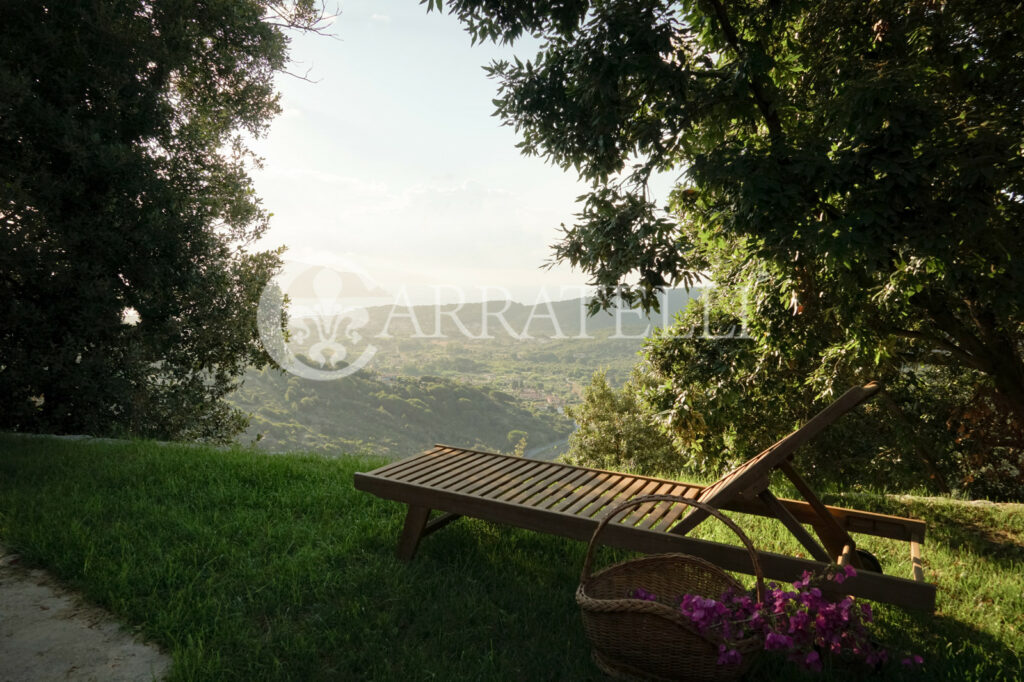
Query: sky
x,y
388,161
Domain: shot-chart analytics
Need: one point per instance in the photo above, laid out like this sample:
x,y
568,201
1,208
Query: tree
x,y
124,191
615,432
856,168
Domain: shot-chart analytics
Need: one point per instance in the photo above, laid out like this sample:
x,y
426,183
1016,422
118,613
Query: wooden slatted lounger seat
x,y
569,501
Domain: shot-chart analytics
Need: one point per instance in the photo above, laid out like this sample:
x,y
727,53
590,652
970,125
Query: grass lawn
x,y
248,567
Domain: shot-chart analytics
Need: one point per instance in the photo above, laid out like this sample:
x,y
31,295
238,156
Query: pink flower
x,y
728,656
798,621
776,640
801,624
641,593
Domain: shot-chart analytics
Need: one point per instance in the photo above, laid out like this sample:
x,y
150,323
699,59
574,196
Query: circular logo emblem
x,y
309,319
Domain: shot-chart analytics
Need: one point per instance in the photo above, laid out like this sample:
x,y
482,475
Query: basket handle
x,y
606,519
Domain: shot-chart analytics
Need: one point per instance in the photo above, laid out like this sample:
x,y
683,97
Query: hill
x,y
466,375
387,416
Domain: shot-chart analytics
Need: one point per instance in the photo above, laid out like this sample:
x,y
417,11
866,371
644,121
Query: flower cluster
x,y
800,622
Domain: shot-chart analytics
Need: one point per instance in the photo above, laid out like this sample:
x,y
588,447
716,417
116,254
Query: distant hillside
x,y
543,354
432,378
391,417
509,320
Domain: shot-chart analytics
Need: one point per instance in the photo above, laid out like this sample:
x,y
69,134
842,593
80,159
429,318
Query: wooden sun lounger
x,y
569,501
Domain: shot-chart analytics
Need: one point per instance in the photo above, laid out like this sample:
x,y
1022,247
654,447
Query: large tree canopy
x,y
123,187
856,167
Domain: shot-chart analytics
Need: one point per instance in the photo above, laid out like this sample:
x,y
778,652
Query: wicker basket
x,y
638,639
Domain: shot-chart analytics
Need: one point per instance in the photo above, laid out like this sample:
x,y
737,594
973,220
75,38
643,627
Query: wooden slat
x,y
555,494
406,464
751,475
427,465
594,487
562,485
662,508
599,491
495,476
535,469
434,472
665,524
550,494
516,458
546,473
648,489
559,465
542,483
625,490
594,503
512,472
642,510
480,475
446,471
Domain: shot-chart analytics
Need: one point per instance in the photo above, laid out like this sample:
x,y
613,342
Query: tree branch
x,y
944,345
757,88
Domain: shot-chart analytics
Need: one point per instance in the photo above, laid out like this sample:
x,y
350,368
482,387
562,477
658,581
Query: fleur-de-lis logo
x,y
318,337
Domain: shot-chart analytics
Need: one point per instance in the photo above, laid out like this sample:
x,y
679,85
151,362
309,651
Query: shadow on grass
x,y
491,602
991,531
957,530
526,582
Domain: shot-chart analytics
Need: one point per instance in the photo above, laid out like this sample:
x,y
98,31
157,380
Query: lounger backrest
x,y
758,468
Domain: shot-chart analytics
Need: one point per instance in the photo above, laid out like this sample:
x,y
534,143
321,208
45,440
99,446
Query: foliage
x,y
613,432
124,189
855,169
992,446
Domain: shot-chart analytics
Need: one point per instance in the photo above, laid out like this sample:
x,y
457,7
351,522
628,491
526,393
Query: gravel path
x,y
48,633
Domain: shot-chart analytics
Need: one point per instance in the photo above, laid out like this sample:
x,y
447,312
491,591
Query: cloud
x,y
380,18
291,113
462,232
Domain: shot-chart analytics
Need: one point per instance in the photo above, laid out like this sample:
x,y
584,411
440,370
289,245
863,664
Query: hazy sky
x,y
392,162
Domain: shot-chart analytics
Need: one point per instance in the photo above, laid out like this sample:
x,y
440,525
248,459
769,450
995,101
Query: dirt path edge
x,y
48,632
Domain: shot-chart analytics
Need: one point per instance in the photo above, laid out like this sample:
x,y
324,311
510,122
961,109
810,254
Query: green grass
x,y
249,567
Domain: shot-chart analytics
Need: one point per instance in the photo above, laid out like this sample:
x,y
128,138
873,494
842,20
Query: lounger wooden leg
x,y
415,522
833,536
798,531
915,560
